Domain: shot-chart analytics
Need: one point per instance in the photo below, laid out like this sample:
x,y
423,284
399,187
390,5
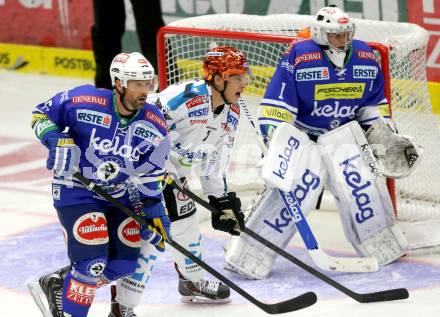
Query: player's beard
x,y
134,104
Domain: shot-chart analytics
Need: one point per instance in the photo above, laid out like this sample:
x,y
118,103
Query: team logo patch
x,y
308,57
339,91
155,119
316,73
95,268
94,117
90,100
364,72
108,170
91,229
80,293
128,233
56,192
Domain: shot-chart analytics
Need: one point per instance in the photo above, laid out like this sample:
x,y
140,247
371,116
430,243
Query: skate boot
x,y
118,310
204,291
51,286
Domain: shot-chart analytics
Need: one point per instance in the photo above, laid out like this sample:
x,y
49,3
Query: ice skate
x,y
204,291
118,310
51,286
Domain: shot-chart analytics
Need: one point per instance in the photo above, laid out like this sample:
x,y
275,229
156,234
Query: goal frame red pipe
x,y
236,35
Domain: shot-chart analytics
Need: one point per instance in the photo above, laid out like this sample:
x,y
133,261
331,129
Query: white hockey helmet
x,y
332,19
133,66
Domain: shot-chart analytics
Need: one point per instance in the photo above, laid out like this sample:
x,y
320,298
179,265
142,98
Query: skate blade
x,y
36,292
194,299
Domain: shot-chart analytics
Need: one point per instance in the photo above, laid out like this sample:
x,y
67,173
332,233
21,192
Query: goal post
x,y
401,48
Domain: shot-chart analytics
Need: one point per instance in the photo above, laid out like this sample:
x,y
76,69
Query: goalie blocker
x,y
343,159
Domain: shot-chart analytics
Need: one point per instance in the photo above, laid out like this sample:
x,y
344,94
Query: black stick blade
x,y
384,296
297,303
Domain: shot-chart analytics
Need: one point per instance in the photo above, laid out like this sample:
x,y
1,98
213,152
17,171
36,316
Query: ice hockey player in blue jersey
x,y
322,86
110,136
203,117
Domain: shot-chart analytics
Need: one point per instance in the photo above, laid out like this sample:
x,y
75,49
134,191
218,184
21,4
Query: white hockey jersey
x,y
201,140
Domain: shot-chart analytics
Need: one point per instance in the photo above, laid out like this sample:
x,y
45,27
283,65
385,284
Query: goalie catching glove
x,y
396,154
231,219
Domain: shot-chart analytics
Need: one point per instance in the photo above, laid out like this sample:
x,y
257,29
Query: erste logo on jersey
x,y
147,133
198,112
339,91
364,72
90,100
315,73
128,233
94,117
91,229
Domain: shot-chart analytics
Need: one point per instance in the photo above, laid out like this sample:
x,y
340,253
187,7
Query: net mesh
x,y
417,196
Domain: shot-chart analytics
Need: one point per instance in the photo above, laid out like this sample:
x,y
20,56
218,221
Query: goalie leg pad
x,y
269,218
361,194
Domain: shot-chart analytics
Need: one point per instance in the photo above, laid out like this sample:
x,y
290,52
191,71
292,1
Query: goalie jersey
x,y
307,90
201,140
112,147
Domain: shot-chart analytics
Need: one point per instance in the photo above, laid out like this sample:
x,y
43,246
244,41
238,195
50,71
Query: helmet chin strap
x,y
121,99
222,93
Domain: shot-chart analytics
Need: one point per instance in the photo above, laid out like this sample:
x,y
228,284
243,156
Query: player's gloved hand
x,y
231,219
158,229
63,156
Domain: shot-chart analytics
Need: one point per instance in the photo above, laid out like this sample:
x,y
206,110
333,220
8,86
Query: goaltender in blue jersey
x,y
307,90
324,88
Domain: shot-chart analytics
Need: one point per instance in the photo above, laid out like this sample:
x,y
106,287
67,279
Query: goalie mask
x,y
133,66
334,29
225,61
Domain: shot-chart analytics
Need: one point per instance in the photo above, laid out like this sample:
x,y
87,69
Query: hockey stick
x,y
387,295
319,257
299,302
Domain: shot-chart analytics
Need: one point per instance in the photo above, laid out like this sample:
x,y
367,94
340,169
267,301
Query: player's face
x,y
234,88
338,40
136,93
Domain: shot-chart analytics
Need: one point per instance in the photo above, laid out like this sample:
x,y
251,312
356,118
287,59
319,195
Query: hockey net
x,y
183,44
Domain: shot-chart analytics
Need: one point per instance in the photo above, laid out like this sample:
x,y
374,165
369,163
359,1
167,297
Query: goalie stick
x,y
319,257
296,303
387,295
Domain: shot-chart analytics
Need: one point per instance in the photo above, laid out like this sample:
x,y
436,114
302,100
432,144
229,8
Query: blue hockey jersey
x,y
308,91
113,148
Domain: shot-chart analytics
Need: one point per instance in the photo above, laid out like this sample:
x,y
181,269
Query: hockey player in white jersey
x,y
331,89
202,117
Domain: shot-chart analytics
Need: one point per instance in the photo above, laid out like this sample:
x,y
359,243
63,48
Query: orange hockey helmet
x,y
225,61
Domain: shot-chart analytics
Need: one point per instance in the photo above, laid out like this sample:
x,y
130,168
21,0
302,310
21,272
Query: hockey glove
x,y
158,229
231,219
63,156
